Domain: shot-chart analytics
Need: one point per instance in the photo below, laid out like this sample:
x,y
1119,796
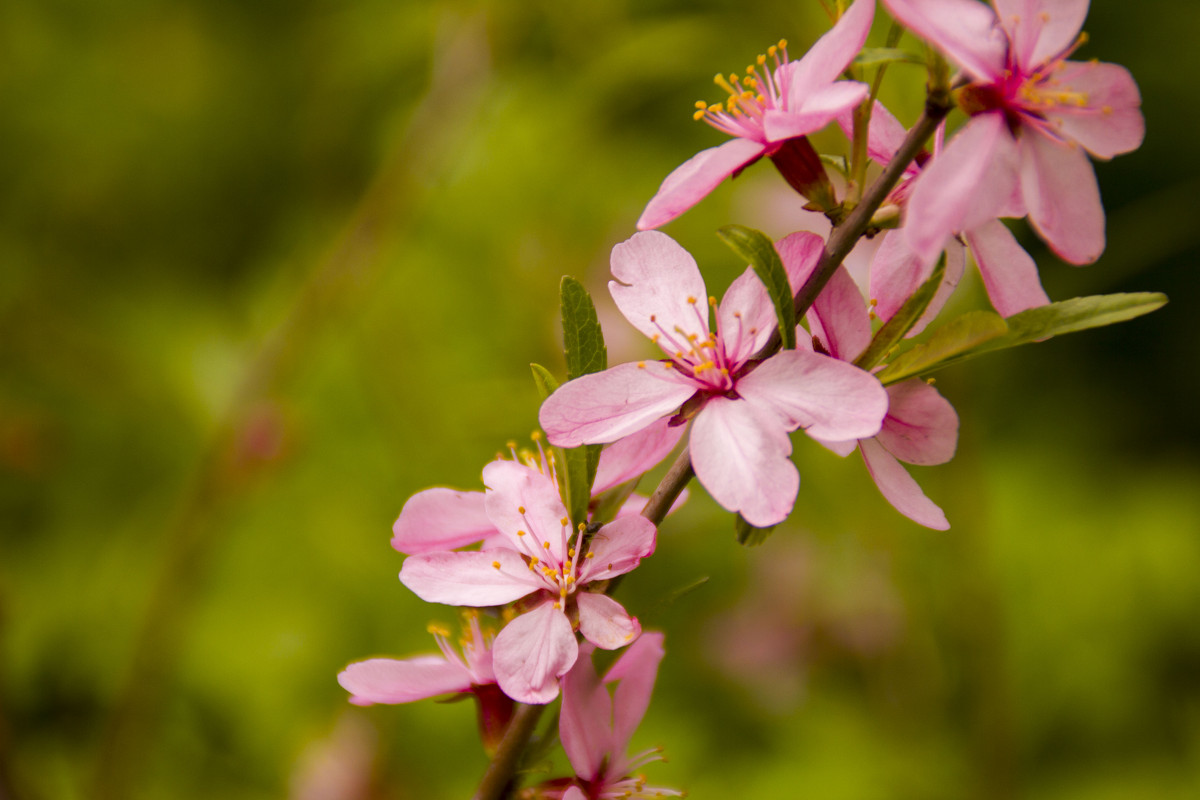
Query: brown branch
x,y
841,241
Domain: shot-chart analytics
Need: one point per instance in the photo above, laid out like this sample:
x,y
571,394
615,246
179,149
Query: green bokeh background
x,y
268,268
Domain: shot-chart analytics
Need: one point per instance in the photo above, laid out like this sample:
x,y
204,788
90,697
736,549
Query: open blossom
x,y
741,407
766,109
467,669
920,427
547,563
1034,113
446,519
1009,273
595,726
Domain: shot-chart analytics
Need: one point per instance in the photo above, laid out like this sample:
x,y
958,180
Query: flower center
x,y
763,88
701,355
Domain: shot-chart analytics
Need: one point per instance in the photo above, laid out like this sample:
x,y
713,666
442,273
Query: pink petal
x,y
695,178
519,498
839,316
1111,122
389,680
574,793
896,272
899,488
440,519
819,110
969,183
617,548
965,30
636,671
604,622
747,317
956,264
628,458
799,253
606,406
885,135
921,426
1041,29
1009,273
740,454
469,578
830,399
830,55
532,652
584,724
842,448
657,286
1060,191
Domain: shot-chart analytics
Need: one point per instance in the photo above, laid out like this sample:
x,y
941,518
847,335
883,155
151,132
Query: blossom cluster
x,y
739,376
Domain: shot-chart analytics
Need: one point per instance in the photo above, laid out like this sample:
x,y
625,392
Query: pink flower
x,y
1009,274
446,519
596,727
742,407
920,427
390,680
767,109
1034,114
545,562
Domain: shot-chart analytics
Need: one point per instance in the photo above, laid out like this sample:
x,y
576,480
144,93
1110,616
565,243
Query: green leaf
x,y
1077,314
757,248
544,380
575,476
749,535
610,501
902,321
583,341
948,344
875,56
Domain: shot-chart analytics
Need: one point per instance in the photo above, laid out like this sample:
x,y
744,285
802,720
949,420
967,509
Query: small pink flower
x,y
765,110
743,407
390,680
547,563
447,519
596,727
920,427
1009,274
1034,114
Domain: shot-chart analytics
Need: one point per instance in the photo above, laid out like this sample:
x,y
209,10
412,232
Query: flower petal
x,y
970,182
830,55
617,548
1111,122
657,286
390,680
740,454
896,272
532,652
1040,29
604,622
921,426
692,180
899,488
830,399
632,456
519,498
469,578
584,725
799,253
1009,273
965,30
956,264
606,406
1060,191
440,519
636,671
840,317
818,110
746,316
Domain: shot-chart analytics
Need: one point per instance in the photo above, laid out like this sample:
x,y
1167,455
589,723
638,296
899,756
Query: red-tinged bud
x,y
495,712
801,167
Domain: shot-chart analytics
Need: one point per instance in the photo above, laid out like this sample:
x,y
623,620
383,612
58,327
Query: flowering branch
x,y
841,241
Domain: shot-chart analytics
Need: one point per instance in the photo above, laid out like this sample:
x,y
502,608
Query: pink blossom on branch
x,y
1034,117
741,407
547,564
768,109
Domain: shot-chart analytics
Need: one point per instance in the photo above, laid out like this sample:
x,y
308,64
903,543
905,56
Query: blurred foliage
x,y
266,269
